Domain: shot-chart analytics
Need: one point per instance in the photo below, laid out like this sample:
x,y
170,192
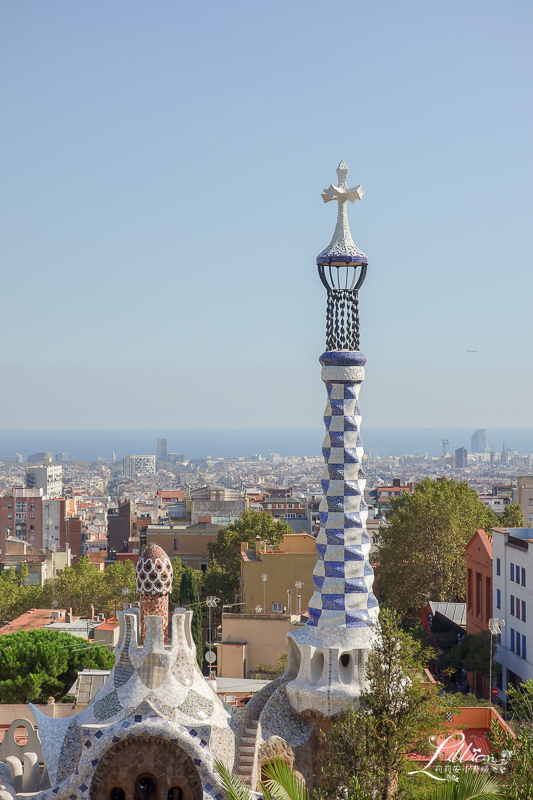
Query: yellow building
x,y
249,640
189,542
292,564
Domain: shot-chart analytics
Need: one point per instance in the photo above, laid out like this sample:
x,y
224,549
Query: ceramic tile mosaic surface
x,y
279,719
331,650
146,699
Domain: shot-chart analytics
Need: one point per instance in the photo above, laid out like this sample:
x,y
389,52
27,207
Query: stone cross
x,y
342,193
342,249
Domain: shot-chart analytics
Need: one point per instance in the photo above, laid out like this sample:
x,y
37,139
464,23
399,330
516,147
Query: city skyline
x,y
162,169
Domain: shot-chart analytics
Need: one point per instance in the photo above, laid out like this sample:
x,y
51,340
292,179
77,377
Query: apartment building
x,y
48,477
21,516
288,585
138,466
479,606
512,551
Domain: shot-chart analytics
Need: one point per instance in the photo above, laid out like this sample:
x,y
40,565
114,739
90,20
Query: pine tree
x,y
189,596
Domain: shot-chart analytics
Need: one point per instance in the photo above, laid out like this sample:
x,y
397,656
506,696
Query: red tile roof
x,y
34,618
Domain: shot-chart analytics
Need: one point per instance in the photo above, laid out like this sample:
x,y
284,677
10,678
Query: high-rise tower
x,y
327,658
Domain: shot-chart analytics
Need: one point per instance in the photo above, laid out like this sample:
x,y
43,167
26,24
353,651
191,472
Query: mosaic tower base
x,y
327,658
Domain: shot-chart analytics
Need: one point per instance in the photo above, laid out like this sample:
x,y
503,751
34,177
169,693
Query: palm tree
x,y
281,783
470,786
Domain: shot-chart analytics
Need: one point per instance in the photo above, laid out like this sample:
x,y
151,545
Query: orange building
x,y
478,595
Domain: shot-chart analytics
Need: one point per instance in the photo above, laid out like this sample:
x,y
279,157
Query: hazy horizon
x,y
89,444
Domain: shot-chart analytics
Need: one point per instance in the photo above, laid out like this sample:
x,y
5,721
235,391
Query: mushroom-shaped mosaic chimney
x,y
327,658
154,582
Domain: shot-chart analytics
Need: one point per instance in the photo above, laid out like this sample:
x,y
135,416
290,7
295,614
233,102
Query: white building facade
x,y
133,466
48,477
512,580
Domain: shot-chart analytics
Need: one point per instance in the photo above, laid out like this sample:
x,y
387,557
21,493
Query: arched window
x,y
117,793
175,793
145,788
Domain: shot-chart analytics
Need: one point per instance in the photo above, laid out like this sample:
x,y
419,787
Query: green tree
x,y
222,577
367,748
422,551
37,664
519,751
17,595
473,653
511,518
78,587
280,783
219,583
189,596
119,585
470,786
177,570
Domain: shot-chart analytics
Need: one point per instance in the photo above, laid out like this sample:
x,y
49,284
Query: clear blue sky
x,y
161,165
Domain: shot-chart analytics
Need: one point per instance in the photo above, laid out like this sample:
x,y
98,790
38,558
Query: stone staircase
x,y
244,763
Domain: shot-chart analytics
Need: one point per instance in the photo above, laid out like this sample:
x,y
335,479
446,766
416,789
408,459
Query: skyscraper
x,y
478,443
461,458
162,449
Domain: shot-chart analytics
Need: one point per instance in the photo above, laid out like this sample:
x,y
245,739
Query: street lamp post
x,y
299,585
495,627
211,602
264,578
289,593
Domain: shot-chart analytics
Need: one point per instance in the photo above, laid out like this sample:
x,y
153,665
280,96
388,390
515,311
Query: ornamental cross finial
x,y
342,193
341,249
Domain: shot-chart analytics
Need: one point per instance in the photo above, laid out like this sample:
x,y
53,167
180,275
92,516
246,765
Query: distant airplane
x,y
470,351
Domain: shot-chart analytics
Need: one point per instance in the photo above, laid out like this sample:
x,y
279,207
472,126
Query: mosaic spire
x,y
327,658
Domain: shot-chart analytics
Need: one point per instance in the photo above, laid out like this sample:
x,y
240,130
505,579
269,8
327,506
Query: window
x,y
117,793
498,599
517,643
175,793
478,594
145,788
32,528
524,652
203,567
512,639
201,526
32,506
277,608
176,542
488,597
523,576
10,516
10,505
498,567
32,516
512,571
511,605
523,610
469,582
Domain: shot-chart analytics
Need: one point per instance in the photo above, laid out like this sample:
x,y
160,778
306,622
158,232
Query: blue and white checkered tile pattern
x,y
343,576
